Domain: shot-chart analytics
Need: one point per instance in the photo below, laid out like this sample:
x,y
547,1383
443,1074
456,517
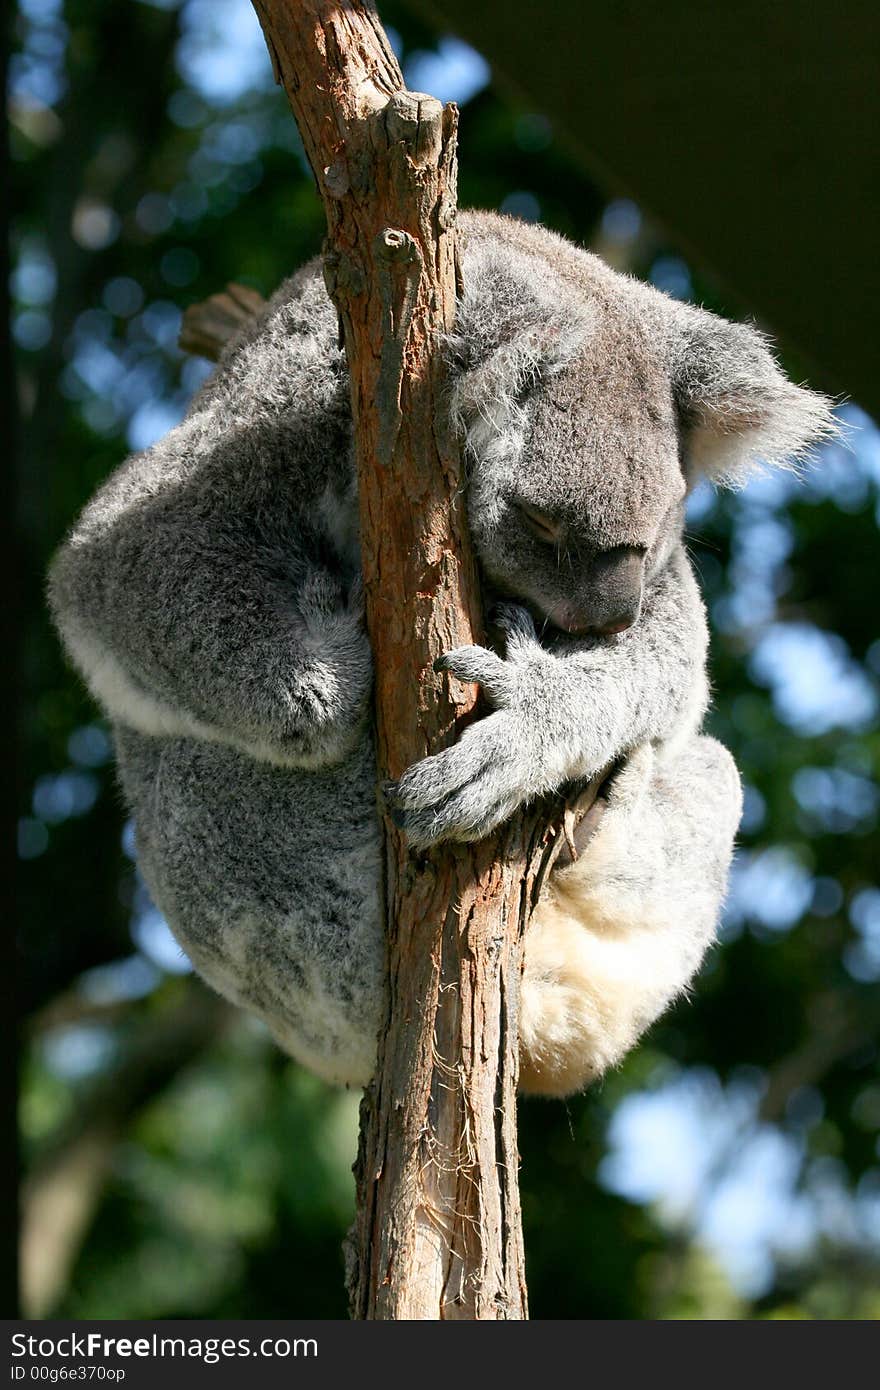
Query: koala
x,y
210,596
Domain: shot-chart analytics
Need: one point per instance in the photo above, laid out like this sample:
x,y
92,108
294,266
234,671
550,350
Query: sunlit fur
x,y
209,595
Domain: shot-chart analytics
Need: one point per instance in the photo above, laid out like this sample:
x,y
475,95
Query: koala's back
x,y
271,878
276,423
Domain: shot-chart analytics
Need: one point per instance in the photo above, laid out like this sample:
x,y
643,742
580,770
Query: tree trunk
x,y
438,1230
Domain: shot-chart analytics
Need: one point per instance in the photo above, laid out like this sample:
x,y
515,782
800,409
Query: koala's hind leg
x,y
270,879
619,933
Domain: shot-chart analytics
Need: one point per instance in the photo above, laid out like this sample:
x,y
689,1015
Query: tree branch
x,y
207,327
438,1232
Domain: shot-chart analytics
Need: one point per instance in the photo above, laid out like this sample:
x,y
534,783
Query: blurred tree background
x,y
177,1164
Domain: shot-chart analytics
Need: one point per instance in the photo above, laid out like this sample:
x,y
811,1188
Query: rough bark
x,y
438,1230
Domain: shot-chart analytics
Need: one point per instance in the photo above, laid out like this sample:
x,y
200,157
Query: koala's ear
x,y
516,324
740,412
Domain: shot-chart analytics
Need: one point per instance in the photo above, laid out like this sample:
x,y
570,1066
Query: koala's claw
x,y
479,665
498,676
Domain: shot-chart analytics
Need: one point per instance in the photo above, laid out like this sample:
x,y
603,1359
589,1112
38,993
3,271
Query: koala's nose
x,y
616,580
581,623
574,620
620,623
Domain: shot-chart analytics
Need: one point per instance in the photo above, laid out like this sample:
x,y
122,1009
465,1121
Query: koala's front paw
x,y
466,791
319,695
500,762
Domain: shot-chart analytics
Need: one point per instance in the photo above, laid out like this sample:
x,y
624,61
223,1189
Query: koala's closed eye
x,y
539,523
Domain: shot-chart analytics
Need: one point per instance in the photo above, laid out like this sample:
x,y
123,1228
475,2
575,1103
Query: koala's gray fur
x,y
210,596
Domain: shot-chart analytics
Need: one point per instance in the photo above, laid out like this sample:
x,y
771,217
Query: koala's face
x,y
587,403
579,496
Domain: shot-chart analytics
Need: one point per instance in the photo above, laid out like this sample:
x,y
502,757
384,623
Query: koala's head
x,y
589,405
